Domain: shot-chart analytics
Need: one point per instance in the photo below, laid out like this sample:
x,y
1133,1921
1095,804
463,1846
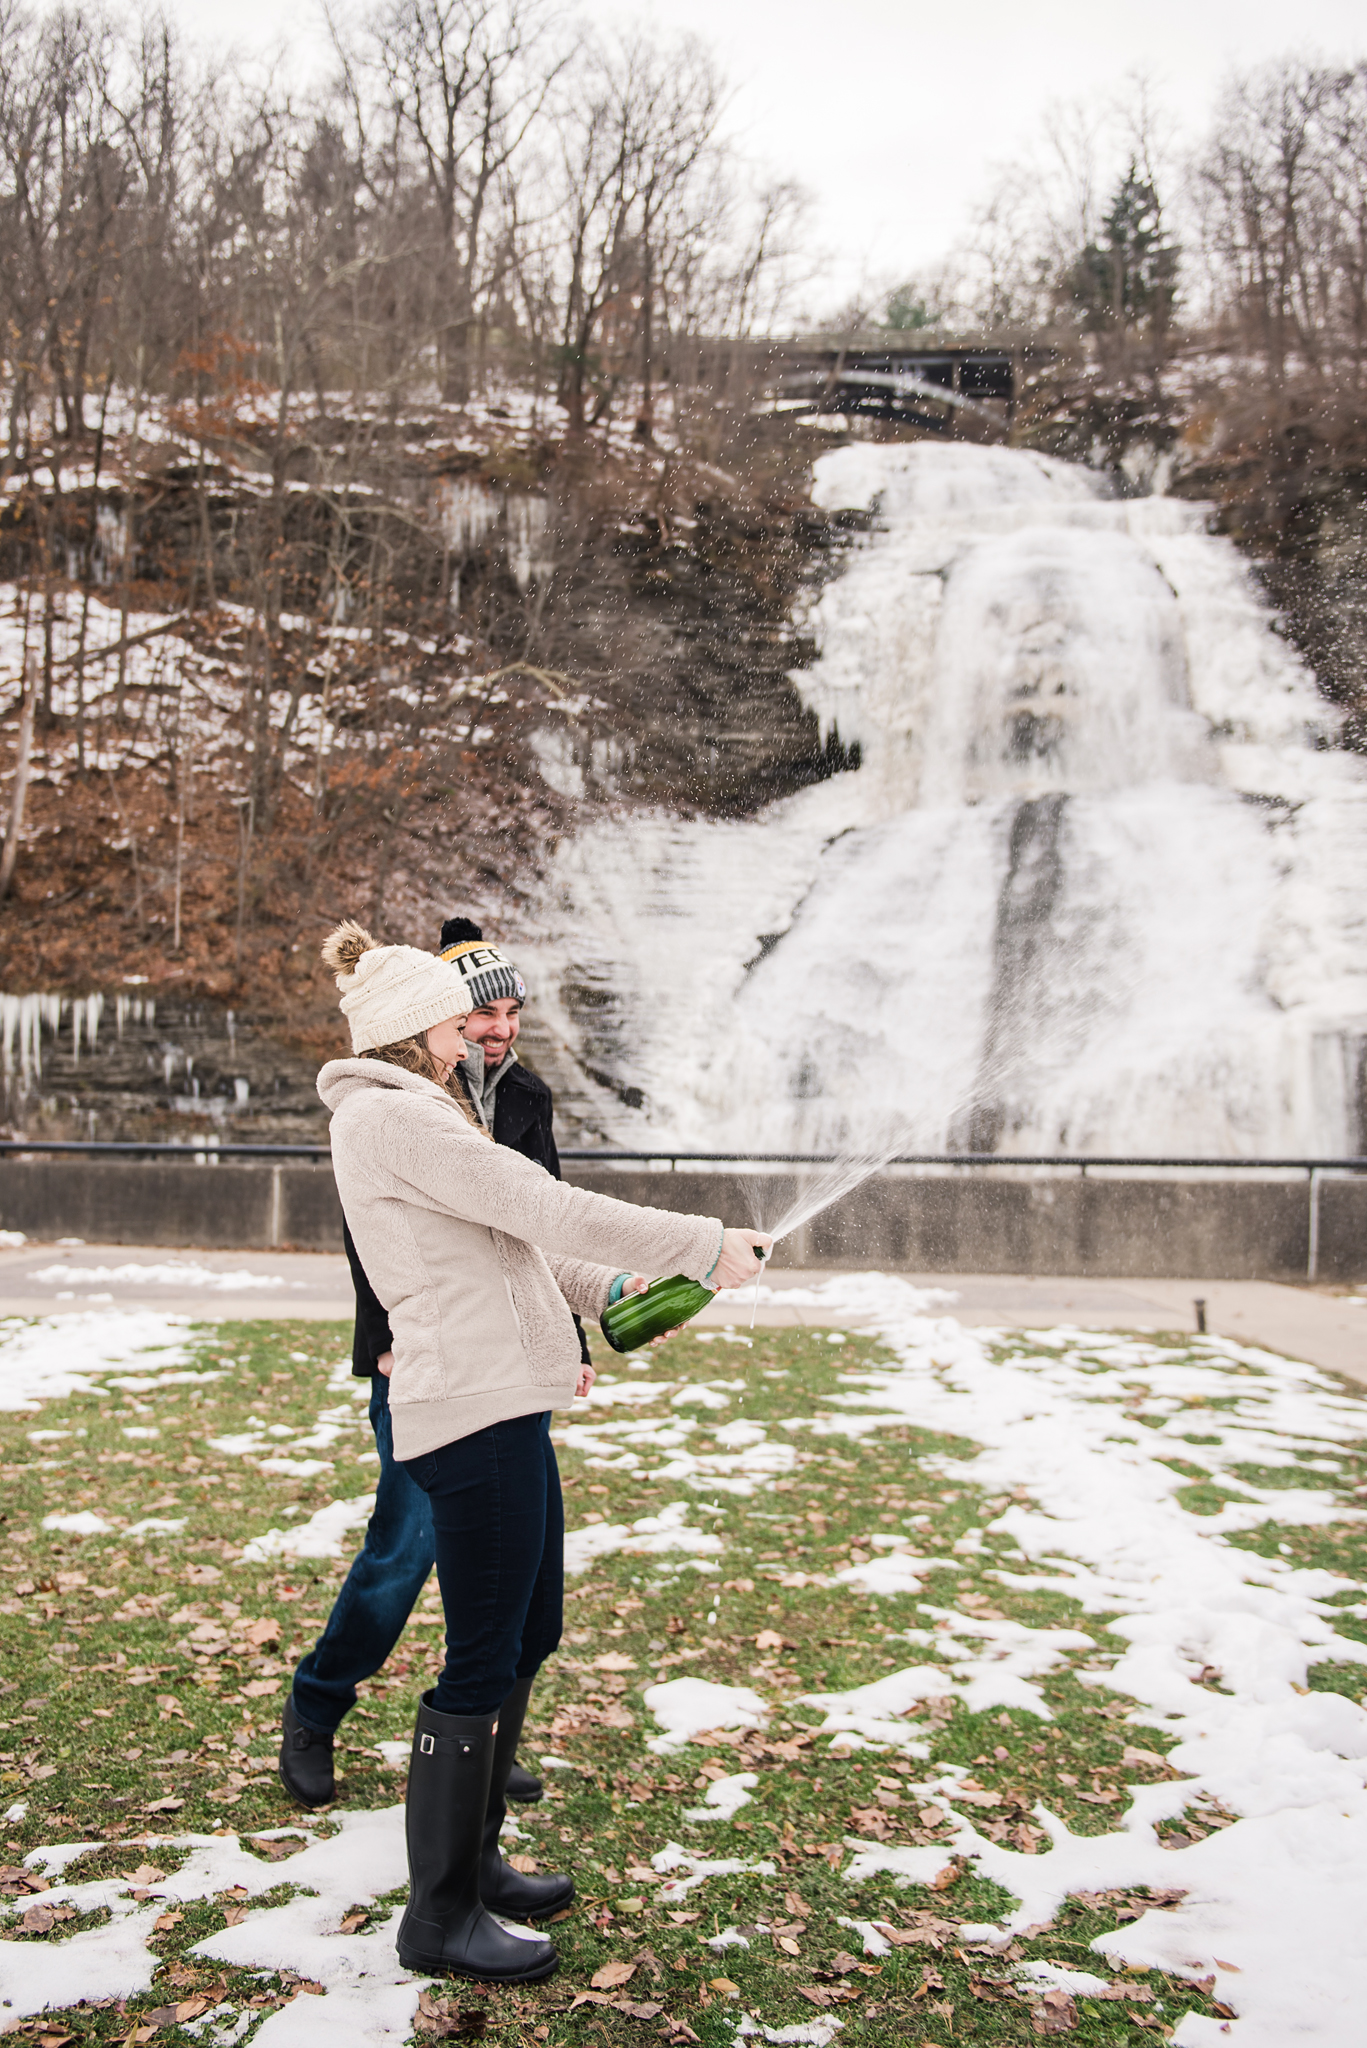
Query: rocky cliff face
x,y
662,595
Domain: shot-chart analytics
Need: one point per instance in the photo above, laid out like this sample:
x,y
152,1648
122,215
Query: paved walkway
x,y
1324,1328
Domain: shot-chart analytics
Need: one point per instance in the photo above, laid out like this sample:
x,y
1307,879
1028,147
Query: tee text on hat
x,y
489,975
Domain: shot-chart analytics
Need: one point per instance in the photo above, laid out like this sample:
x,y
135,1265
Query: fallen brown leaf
x,y
1055,2014
276,1852
611,1975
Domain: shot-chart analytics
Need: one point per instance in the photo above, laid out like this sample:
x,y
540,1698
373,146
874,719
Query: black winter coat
x,y
523,1112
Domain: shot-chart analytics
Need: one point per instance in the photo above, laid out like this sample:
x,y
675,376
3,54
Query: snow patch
x,y
697,1869
172,1273
320,1536
651,1536
82,1524
684,1707
368,1999
52,1356
724,1797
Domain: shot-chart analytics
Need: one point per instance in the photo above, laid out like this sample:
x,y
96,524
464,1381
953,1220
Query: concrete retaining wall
x,y
1242,1228
154,1201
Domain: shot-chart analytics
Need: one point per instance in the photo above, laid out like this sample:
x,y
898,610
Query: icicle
x,y
468,510
528,555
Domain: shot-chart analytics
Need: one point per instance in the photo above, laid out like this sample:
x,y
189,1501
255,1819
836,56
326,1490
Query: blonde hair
x,y
413,1055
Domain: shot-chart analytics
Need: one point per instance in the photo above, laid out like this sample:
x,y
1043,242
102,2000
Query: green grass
x,y
109,1704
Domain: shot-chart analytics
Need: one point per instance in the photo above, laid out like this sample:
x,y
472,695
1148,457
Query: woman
x,y
480,1257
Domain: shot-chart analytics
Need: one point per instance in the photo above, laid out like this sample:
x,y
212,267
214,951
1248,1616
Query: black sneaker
x,y
523,1786
306,1761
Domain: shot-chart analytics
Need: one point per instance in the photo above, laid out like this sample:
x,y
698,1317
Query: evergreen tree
x,y
905,310
1128,279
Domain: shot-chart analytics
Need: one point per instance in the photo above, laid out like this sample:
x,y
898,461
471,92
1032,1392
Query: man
x,y
377,1596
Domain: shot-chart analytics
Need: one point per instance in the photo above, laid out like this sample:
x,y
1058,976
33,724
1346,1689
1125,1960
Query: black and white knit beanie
x,y
488,973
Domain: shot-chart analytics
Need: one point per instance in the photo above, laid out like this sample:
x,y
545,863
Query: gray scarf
x,y
483,1087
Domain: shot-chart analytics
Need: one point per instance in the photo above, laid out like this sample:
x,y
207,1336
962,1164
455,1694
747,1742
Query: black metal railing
x,y
209,1147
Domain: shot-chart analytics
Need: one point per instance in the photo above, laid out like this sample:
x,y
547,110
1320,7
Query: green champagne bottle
x,y
636,1318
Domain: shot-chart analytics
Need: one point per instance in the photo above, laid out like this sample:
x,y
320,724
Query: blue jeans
x,y
378,1593
499,1525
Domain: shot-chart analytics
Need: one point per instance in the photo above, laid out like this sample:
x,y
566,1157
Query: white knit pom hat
x,y
390,992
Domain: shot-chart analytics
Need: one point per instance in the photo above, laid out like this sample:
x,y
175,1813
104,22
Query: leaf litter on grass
x,y
951,1577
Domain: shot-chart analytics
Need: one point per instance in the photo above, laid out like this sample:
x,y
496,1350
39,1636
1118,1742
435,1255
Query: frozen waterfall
x,y
1098,886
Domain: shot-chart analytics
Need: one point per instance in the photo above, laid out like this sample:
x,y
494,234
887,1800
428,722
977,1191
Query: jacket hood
x,y
341,1079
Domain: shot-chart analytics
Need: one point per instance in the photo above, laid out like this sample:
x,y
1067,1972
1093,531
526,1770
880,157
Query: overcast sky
x,y
892,114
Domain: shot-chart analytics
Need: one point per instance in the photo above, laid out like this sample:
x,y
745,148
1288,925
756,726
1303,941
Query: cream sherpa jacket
x,y
479,1255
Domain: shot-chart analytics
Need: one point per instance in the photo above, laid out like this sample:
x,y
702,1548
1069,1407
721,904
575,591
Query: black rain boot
x,y
306,1761
519,1894
522,1786
446,1930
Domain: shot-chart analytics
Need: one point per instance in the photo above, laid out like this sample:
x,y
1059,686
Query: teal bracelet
x,y
615,1291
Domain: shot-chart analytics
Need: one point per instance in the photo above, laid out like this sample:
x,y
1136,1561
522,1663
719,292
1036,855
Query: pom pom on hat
x,y
489,975
343,948
390,992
